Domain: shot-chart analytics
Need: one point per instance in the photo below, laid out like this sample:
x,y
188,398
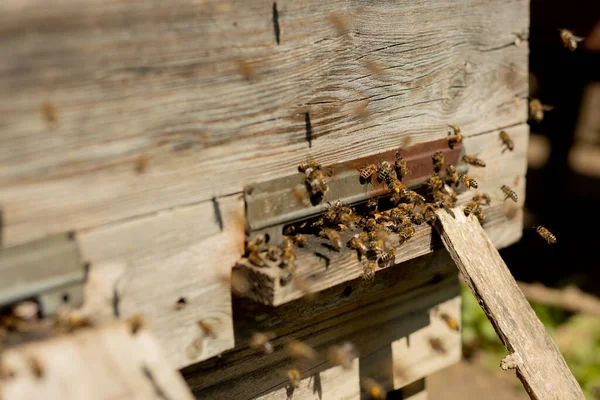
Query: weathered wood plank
x,y
165,258
539,365
503,224
93,93
332,384
381,318
106,363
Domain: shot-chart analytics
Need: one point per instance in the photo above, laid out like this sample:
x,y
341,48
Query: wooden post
x,y
540,366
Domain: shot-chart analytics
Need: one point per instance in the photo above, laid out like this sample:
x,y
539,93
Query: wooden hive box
x,y
138,124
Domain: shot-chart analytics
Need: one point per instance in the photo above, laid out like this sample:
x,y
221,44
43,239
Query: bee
x,y
294,377
400,165
455,137
482,198
70,320
417,219
340,22
357,244
478,212
342,355
415,197
370,269
319,222
385,172
308,166
332,236
371,224
372,206
316,182
261,340
507,141
300,351
367,172
288,256
256,259
536,110
404,207
451,175
429,213
348,220
450,321
434,183
299,194
141,164
135,322
468,182
49,112
470,208
387,256
474,161
274,253
246,70
569,40
300,240
402,194
208,328
257,243
395,185
374,389
546,234
406,233
36,368
438,161
437,345
509,193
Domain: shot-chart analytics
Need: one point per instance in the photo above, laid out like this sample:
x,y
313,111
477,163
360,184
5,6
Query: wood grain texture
x,y
503,224
331,384
370,323
177,254
106,363
120,109
539,365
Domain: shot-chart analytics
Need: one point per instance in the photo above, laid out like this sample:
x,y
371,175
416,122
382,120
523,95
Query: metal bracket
x,y
49,269
273,204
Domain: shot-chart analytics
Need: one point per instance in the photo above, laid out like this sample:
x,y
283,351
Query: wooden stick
x,y
540,366
570,298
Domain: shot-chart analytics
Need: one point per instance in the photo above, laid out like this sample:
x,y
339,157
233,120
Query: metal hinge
x,y
50,270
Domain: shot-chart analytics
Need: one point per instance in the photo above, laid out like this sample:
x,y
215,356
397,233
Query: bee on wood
x,y
332,236
141,164
374,389
367,173
371,224
342,355
438,161
536,110
404,208
333,212
468,182
478,212
274,253
377,245
387,256
256,259
509,193
472,160
507,141
357,244
36,367
546,234
437,345
470,208
370,269
49,112
288,256
569,40
385,173
451,175
450,321
371,206
415,197
348,221
300,351
455,136
246,70
400,165
257,243
319,222
208,328
308,166
261,340
317,184
482,198
417,219
300,240
434,183
395,185
294,377
406,233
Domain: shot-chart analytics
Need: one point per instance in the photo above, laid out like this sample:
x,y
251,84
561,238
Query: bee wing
x,y
577,38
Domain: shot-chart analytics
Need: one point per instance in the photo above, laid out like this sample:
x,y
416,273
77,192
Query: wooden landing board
x,y
540,366
503,224
122,109
151,263
106,363
369,322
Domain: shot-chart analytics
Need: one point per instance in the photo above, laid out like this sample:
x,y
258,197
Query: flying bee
x,y
261,340
536,110
208,328
438,161
406,233
294,377
482,198
455,137
367,173
429,213
417,218
569,40
474,161
300,240
437,345
300,351
400,165
339,20
385,173
342,355
546,234
387,256
370,269
332,236
451,175
509,193
357,244
434,183
36,367
468,182
308,166
507,141
374,389
470,208
450,321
